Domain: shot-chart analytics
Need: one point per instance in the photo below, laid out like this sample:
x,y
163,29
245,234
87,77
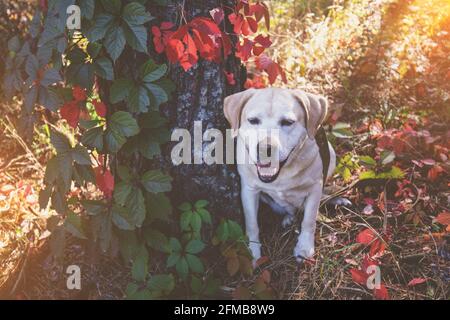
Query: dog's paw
x,y
340,201
305,247
287,220
255,249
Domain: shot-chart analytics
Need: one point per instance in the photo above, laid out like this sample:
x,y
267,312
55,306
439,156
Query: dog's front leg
x,y
305,243
250,203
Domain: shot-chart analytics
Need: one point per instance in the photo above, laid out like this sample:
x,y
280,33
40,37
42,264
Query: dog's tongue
x,y
266,165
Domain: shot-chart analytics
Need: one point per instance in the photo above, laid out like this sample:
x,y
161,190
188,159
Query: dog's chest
x,y
288,198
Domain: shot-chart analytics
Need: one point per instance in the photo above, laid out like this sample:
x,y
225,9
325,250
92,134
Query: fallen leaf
x,y
416,281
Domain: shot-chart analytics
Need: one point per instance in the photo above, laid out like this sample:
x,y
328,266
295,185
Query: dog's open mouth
x,y
267,172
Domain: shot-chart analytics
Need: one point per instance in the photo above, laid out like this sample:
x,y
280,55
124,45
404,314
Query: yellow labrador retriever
x,y
295,180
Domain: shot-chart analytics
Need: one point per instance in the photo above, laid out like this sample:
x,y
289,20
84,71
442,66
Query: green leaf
x,y
74,225
235,230
185,220
161,285
124,173
60,142
87,8
114,141
115,42
157,92
120,90
368,161
51,171
81,156
93,138
104,68
155,181
173,259
44,197
134,14
201,204
182,267
158,206
139,269
222,231
102,24
195,264
136,205
138,100
175,245
185,206
112,6
196,222
157,240
195,246
93,207
121,218
150,71
136,37
205,215
50,77
121,192
123,122
370,174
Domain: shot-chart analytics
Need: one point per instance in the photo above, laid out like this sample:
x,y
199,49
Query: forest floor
x,y
391,224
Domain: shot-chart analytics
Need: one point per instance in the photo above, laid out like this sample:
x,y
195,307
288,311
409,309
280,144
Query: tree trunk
x,y
199,97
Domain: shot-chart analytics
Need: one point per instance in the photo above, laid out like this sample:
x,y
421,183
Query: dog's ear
x,y
315,107
233,106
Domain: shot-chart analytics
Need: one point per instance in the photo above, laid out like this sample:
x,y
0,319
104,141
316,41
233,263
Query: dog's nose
x,y
264,151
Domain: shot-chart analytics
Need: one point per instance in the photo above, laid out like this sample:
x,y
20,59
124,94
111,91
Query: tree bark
x,y
199,97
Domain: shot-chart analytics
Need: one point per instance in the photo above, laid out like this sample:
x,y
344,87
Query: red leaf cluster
x,y
72,110
361,276
273,69
104,181
200,37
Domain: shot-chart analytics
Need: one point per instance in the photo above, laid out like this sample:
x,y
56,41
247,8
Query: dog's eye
x,y
286,122
254,121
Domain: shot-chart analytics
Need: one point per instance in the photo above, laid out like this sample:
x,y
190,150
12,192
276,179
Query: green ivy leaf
x,y
112,6
94,207
155,181
121,192
60,142
185,220
135,14
138,100
139,269
175,245
159,94
151,72
157,240
205,215
195,246
101,26
121,218
161,285
104,68
93,138
120,90
173,259
194,263
81,156
74,225
182,267
115,42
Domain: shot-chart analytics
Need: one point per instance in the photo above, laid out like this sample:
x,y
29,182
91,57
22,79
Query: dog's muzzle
x,y
268,167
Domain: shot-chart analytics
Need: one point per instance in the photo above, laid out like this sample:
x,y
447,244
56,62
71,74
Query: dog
x,y
295,180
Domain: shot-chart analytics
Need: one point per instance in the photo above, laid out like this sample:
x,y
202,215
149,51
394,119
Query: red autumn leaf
x,y
105,181
217,14
434,172
79,94
273,69
359,276
444,219
416,281
71,113
257,82
244,49
381,293
260,10
230,78
100,108
377,248
161,35
366,236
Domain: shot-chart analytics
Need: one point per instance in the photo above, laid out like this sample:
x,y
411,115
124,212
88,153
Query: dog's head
x,y
272,122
